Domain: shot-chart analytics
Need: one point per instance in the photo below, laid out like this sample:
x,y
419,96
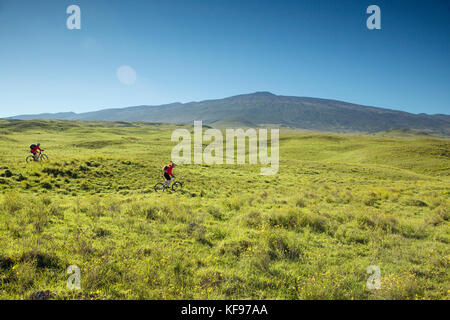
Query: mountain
x,y
265,108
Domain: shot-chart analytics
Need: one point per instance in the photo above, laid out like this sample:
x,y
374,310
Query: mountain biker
x,y
168,175
34,148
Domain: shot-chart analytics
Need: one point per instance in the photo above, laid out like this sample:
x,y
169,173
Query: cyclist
x,y
34,148
168,173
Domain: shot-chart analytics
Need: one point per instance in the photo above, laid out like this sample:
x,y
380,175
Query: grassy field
x,y
339,204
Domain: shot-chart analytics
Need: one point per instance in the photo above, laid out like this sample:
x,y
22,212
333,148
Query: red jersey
x,y
169,170
36,149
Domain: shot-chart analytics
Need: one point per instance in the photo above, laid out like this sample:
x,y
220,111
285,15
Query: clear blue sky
x,y
191,50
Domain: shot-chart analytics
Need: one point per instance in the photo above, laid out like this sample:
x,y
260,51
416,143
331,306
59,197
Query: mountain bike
x,y
40,157
174,185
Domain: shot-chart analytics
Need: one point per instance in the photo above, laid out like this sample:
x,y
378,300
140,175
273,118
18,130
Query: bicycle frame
x,y
37,157
167,184
170,182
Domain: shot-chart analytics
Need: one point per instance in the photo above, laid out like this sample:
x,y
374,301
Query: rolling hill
x,y
338,204
266,108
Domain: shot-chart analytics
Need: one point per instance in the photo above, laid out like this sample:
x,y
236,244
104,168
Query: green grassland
x,y
340,203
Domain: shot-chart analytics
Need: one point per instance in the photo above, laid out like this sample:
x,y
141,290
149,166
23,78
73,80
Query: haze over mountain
x,y
265,108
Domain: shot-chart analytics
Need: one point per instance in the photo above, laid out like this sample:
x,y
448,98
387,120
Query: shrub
x,y
234,247
284,218
216,212
413,231
351,234
416,203
46,185
252,219
5,262
300,203
234,204
42,259
378,220
315,221
13,202
281,247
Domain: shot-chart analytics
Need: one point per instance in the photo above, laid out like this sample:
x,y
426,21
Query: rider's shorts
x,y
167,176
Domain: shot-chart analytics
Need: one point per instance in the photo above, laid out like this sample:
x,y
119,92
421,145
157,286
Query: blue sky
x,y
194,50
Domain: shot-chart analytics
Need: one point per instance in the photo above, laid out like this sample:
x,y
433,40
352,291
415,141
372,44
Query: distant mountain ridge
x,y
265,108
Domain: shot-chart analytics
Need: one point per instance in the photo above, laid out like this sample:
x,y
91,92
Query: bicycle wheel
x,y
177,186
29,159
43,157
159,187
